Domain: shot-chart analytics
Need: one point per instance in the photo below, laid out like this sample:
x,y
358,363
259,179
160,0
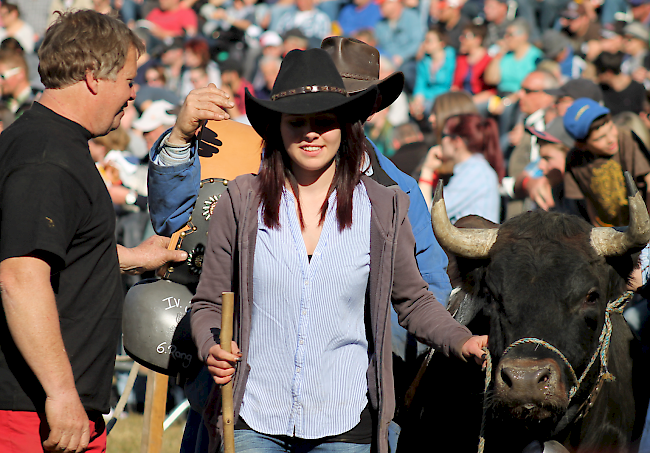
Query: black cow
x,y
547,276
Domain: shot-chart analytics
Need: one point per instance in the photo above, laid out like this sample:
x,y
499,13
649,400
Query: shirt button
x,y
304,312
301,342
298,370
306,282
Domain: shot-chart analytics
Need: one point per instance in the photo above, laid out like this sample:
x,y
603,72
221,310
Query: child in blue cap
x,y
595,166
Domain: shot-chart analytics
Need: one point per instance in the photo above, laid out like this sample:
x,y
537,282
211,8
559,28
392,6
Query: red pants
x,y
25,432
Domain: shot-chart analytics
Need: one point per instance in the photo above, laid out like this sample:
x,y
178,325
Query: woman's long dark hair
x,y
276,170
481,135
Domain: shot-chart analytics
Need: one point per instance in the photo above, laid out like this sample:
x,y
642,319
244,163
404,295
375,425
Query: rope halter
x,y
602,351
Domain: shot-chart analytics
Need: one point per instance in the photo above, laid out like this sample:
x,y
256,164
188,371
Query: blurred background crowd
x,y
488,83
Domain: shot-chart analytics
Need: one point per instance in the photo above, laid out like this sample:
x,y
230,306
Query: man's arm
x,y
431,259
150,255
30,309
173,188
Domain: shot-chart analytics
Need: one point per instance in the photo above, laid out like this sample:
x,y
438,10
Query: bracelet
x,y
524,183
426,181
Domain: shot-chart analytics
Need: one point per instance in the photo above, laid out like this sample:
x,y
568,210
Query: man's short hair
x,y
478,30
609,62
83,41
521,25
10,7
13,59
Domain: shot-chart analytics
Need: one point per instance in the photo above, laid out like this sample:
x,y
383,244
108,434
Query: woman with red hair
x,y
471,143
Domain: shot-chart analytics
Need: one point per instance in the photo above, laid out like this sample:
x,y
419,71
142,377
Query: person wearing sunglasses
x,y
533,104
14,82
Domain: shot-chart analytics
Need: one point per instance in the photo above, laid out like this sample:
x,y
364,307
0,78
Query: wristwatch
x,y
131,197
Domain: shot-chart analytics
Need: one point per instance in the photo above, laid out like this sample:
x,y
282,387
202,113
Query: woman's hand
x,y
433,160
221,364
474,347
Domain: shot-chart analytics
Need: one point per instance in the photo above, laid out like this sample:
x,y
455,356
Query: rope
x,y
601,352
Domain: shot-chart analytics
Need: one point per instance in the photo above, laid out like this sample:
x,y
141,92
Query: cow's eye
x,y
591,298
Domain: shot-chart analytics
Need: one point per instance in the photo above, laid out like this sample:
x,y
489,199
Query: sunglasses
x,y
528,90
9,73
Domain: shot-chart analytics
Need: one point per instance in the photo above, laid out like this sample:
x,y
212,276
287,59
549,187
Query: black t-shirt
x,y
629,100
54,204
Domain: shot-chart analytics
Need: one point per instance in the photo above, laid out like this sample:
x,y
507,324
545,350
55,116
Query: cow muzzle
x,y
530,388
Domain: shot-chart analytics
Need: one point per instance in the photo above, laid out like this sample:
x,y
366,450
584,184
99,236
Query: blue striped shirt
x,y
308,347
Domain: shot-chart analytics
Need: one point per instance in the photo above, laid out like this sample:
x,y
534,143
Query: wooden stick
x,y
154,412
227,409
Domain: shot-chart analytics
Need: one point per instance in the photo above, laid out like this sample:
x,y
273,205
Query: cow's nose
x,y
526,378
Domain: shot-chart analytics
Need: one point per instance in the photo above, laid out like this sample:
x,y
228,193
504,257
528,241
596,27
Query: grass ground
x,y
126,436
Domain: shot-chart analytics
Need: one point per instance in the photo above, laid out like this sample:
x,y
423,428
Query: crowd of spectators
x,y
512,69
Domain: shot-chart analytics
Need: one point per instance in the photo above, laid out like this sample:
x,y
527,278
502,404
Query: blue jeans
x,y
249,441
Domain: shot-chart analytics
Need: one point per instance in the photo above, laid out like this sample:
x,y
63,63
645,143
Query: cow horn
x,y
615,241
464,242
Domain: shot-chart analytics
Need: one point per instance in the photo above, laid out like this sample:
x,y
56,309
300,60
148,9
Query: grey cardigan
x,y
394,276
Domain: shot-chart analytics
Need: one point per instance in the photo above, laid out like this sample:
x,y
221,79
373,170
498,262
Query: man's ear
x,y
92,82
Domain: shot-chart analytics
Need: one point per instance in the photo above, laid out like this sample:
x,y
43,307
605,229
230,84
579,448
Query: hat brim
x,y
352,108
544,136
556,92
389,88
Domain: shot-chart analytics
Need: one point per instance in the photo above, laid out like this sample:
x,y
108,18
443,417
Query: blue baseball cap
x,y
580,115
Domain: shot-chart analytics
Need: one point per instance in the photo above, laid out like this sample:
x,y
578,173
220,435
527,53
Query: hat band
x,y
348,75
308,89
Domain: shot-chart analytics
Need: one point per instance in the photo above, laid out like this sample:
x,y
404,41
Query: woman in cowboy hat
x,y
310,248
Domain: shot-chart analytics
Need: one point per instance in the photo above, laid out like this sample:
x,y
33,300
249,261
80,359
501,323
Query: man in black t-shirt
x,y
59,264
620,92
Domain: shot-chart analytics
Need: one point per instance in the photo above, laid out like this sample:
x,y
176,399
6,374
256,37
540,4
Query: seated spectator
x,y
154,121
471,64
239,15
154,76
635,46
358,15
448,105
497,21
557,47
449,14
268,69
554,145
595,166
14,27
275,12
620,92
294,39
572,90
196,53
171,19
17,93
312,22
533,104
471,143
434,72
580,23
399,34
408,140
231,78
515,60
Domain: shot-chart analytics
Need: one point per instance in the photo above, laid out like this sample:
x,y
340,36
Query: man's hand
x,y
474,347
68,422
539,190
149,255
221,364
203,104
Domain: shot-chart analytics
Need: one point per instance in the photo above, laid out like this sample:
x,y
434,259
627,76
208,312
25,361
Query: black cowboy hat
x,y
358,64
308,82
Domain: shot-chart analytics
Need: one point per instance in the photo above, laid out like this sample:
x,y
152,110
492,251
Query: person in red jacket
x,y
471,64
